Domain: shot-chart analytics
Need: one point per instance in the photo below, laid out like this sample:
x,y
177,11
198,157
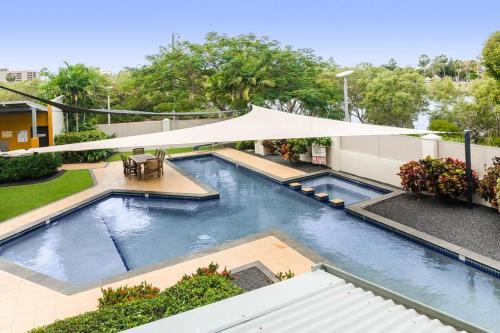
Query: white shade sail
x,y
259,124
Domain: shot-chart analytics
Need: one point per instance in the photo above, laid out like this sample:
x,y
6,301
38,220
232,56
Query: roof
x,y
20,106
318,301
259,124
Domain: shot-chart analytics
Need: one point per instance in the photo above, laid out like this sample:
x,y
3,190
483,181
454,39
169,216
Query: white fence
x,y
152,126
379,157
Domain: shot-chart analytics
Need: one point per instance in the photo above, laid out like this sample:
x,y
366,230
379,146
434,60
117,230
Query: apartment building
x,y
18,75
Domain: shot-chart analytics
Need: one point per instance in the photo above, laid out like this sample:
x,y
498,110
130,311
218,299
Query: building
x,y
18,75
25,124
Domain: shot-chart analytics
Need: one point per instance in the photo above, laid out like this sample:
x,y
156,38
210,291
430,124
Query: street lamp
x,y
108,88
347,116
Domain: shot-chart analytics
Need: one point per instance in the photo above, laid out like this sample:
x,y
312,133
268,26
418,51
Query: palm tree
x,y
82,85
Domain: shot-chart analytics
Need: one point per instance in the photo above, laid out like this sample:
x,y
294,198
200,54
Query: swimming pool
x,y
122,233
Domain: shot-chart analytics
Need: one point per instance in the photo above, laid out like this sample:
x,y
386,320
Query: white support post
x,y
33,123
430,145
334,160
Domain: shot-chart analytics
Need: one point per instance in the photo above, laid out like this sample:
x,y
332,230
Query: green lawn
x,y
172,151
17,200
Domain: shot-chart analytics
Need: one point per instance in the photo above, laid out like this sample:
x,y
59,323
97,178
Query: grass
x,y
172,151
17,200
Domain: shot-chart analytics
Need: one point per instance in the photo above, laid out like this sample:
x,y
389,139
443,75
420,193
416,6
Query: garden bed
x,y
476,229
253,276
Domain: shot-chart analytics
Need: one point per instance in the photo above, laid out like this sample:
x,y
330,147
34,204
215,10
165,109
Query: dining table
x,y
140,160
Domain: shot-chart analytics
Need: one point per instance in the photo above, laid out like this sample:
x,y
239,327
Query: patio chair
x,y
161,157
129,167
137,151
152,168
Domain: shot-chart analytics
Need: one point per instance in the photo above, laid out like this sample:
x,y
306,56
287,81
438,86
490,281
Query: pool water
x,y
351,193
121,233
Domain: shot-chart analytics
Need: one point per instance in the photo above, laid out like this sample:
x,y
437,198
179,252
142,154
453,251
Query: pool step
x,y
295,186
308,190
337,203
321,196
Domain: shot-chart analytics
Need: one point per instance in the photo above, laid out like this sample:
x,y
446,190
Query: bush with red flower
x,y
488,188
446,178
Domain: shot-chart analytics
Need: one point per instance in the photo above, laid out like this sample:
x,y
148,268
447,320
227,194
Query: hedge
x,y
189,293
28,167
88,156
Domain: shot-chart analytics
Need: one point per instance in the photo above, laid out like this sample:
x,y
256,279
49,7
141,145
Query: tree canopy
x,y
395,97
491,55
229,72
80,84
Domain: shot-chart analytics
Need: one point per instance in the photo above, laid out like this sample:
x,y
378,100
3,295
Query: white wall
x,y
152,126
58,125
379,158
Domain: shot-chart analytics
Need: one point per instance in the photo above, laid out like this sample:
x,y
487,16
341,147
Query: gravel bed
x,y
251,278
476,229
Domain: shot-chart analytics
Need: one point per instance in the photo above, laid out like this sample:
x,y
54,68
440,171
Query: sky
x,y
112,34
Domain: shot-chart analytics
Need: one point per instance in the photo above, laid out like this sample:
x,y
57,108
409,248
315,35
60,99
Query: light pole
x,y
347,116
108,88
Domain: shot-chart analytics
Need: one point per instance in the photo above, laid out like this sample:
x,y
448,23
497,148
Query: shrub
x,y
290,149
498,194
88,156
488,189
281,276
270,146
446,178
28,167
452,181
244,145
413,177
112,296
189,293
442,125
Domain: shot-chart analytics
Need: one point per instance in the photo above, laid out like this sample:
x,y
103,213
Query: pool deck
x,y
25,304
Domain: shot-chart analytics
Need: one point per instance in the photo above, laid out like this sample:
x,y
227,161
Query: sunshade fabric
x,y
259,124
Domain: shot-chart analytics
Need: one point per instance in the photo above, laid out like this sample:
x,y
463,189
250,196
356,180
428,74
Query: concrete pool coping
x,y
68,289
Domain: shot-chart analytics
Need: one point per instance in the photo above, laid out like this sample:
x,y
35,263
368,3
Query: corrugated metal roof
x,y
313,302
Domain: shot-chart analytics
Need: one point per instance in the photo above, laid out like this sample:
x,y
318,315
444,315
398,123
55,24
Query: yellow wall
x,y
20,121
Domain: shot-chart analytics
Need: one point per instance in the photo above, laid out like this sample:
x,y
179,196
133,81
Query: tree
x,y
31,87
81,85
439,65
227,72
395,98
10,77
423,62
358,82
481,113
491,55
391,65
444,94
